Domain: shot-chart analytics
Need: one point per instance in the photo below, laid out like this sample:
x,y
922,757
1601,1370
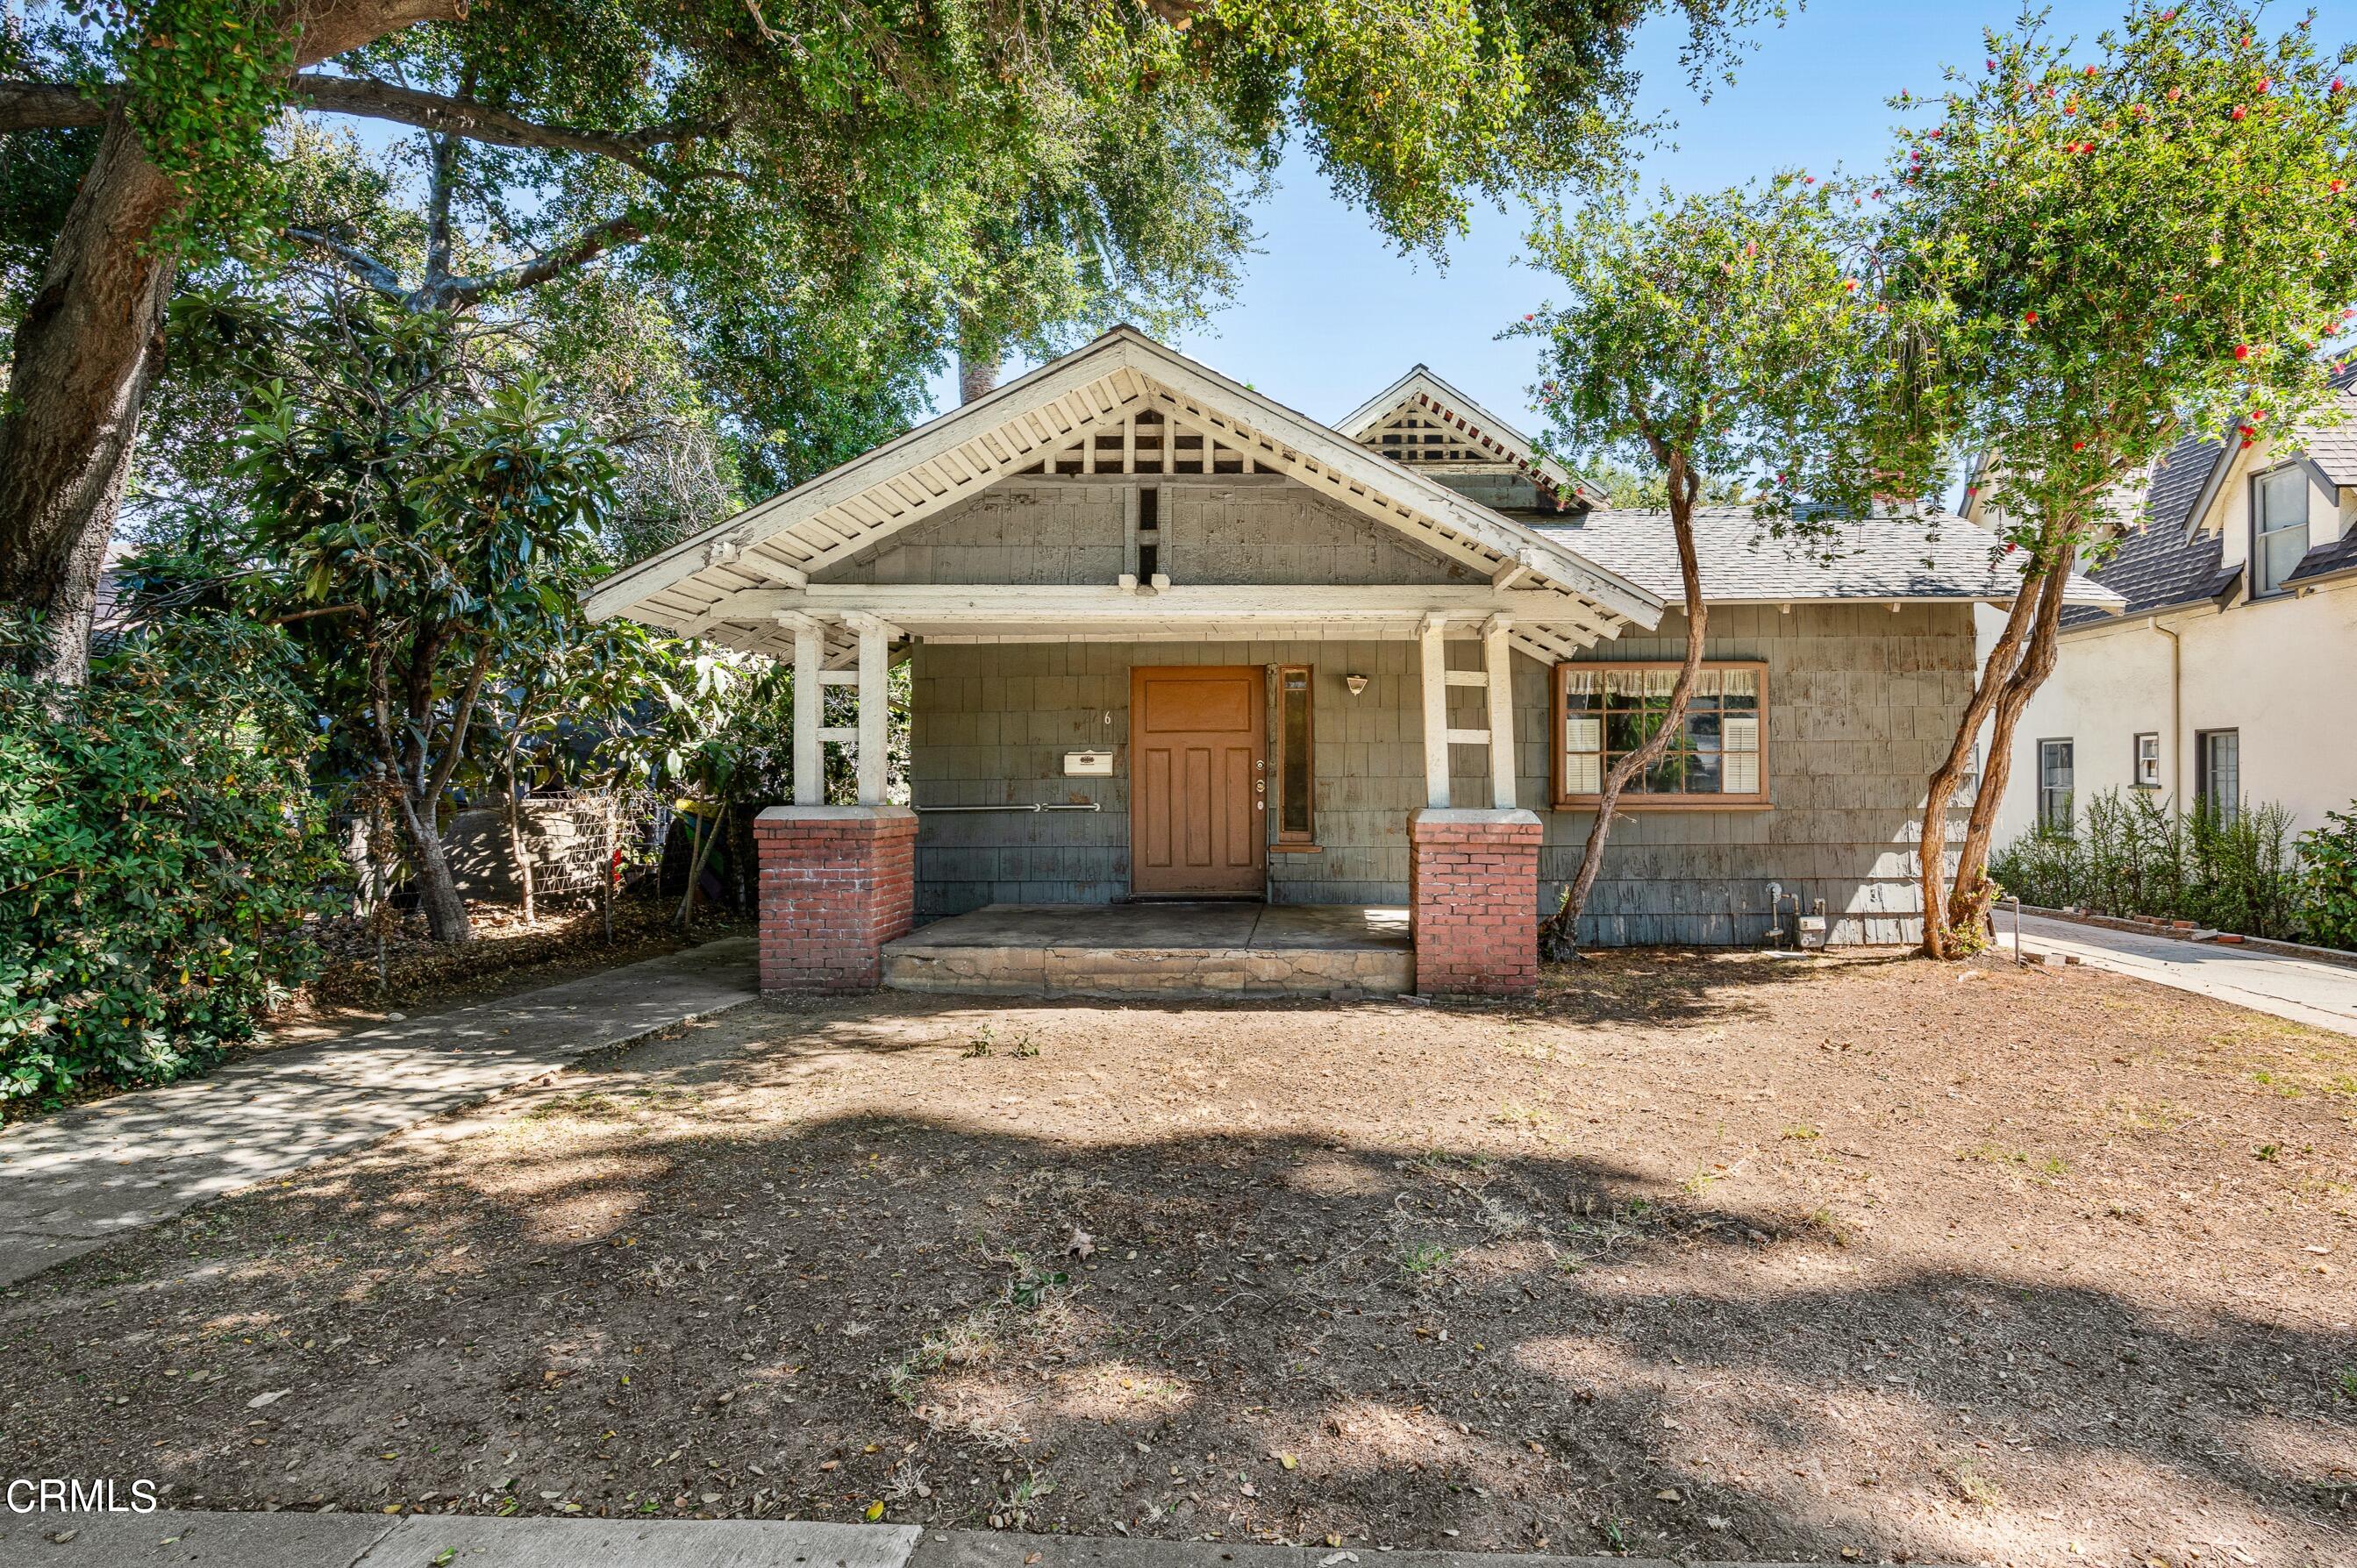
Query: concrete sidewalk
x,y
167,1540
68,1182
2302,990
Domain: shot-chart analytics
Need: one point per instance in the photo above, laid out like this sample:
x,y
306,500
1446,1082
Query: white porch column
x,y
1433,655
809,710
1498,659
874,705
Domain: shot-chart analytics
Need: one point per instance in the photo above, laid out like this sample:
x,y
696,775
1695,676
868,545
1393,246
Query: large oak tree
x,y
720,139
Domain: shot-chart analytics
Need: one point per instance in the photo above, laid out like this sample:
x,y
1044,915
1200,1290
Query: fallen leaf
x,y
1288,1461
273,1397
1081,1244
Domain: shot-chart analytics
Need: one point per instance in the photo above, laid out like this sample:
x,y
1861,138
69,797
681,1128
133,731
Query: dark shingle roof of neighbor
x,y
1883,558
2331,556
2157,566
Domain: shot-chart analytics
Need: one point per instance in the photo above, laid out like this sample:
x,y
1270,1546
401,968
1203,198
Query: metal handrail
x,y
1035,806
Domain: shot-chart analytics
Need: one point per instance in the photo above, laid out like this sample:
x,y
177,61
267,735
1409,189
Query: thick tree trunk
x,y
86,351
1968,901
977,373
1559,937
437,890
1931,847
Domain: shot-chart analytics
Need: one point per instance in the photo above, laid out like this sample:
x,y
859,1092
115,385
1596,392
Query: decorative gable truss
x,y
1421,420
1126,406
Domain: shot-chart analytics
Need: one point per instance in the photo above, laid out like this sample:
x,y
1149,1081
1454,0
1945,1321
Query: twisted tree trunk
x,y
1969,900
1559,937
1931,846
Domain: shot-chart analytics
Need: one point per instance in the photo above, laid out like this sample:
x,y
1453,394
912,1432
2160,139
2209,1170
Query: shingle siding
x,y
1861,706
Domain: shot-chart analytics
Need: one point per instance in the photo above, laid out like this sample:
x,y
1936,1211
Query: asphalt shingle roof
x,y
1882,558
2333,555
2156,565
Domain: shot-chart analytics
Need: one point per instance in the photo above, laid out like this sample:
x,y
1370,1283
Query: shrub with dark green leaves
x,y
160,855
2328,863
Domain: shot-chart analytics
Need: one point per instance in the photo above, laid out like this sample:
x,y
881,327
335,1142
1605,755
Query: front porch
x,y
1178,949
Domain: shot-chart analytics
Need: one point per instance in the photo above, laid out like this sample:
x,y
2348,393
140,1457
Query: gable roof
x,y
1884,558
733,579
2164,559
1423,390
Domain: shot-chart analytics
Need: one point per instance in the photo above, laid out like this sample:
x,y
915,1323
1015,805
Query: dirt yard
x,y
1730,1256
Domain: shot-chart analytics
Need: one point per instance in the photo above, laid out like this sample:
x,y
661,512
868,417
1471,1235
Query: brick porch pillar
x,y
837,883
1473,901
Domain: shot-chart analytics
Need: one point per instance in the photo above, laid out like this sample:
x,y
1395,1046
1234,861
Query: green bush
x,y
2133,855
160,855
2328,858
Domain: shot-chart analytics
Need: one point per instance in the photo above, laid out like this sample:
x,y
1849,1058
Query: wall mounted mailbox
x,y
1088,765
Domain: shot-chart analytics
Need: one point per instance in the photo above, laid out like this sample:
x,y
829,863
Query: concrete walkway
x,y
2302,990
169,1539
68,1182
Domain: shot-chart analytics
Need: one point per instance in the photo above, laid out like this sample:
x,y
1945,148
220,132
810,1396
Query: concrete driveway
x,y
2302,990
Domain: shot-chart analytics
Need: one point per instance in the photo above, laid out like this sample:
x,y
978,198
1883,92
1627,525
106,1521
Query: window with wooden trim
x,y
1718,757
2148,760
1296,771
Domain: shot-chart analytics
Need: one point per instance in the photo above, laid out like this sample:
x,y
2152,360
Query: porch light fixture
x,y
1357,684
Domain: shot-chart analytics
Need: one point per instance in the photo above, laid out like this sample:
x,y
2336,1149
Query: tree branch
x,y
374,100
367,268
628,228
47,106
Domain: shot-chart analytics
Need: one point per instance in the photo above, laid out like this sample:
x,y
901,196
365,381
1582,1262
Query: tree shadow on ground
x,y
671,1290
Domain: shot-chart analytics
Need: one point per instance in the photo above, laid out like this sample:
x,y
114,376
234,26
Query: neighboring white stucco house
x,y
2232,673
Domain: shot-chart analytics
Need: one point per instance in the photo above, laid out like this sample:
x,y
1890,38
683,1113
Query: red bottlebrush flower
x,y
2237,114
2031,317
2242,350
2091,73
2175,93
1988,65
2078,446
2336,84
2337,185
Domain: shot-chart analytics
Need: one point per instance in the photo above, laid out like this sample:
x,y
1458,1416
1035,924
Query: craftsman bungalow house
x,y
1173,642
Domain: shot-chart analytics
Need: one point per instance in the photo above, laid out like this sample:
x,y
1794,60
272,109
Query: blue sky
x,y
1328,316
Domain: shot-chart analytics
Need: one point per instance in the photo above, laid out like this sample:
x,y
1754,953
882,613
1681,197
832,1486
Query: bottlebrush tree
x,y
2104,250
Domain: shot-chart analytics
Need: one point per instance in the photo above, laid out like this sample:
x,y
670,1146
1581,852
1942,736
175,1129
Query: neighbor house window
x,y
2148,760
2219,757
1295,819
2278,528
2054,776
1718,756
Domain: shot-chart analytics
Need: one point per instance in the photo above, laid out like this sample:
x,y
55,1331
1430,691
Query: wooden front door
x,y
1198,788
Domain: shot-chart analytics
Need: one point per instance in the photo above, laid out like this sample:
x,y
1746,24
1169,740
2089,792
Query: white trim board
x,y
1000,435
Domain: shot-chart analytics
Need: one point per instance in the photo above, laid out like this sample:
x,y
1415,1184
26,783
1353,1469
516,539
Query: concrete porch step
x,y
1158,950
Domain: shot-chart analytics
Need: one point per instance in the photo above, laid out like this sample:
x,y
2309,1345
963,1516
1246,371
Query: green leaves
x,y
2123,243
1728,331
161,855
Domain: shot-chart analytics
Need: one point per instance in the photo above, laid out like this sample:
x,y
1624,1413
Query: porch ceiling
x,y
750,582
